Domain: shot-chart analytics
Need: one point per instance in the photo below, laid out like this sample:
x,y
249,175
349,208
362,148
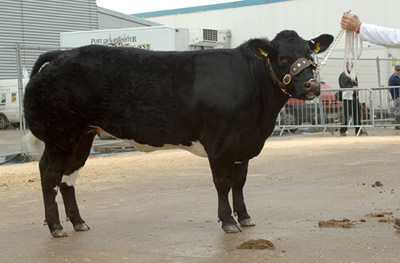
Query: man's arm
x,y
379,35
372,33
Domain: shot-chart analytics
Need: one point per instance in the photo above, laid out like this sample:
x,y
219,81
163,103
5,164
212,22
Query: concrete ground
x,y
162,206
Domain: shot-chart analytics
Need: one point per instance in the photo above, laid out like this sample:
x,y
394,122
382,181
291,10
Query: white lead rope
x,y
352,52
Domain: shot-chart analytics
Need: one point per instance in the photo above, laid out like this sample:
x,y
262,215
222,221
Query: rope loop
x,y
352,51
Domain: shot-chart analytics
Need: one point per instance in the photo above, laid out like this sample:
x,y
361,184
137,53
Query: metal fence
x,y
373,107
368,107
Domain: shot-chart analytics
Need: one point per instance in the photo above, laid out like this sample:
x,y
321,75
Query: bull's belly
x,y
196,148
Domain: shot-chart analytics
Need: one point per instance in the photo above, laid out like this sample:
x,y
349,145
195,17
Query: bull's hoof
x,y
247,222
81,227
231,229
56,230
396,224
59,233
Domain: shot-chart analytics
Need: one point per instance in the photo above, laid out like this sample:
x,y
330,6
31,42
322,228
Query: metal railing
x,y
368,107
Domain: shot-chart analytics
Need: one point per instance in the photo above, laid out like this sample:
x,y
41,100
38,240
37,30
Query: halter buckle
x,y
287,79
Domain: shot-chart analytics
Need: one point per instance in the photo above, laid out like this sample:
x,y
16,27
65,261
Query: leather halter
x,y
297,67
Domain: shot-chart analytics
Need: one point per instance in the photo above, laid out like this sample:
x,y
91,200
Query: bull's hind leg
x,y
51,170
67,190
239,207
59,167
67,187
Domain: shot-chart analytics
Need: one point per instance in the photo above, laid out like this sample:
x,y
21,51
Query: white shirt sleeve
x,y
379,35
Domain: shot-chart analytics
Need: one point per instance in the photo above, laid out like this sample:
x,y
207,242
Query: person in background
x,y
351,102
394,80
384,36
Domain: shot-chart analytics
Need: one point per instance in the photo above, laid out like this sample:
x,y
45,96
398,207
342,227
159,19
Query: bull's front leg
x,y
239,206
222,176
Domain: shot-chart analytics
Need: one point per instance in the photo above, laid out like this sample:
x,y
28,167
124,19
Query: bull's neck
x,y
273,100
273,96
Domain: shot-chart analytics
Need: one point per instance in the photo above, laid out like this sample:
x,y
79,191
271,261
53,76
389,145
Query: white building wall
x,y
309,18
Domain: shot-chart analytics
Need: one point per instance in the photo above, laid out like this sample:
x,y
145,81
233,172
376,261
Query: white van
x,y
9,103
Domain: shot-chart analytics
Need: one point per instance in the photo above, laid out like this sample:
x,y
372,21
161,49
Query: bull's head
x,y
289,59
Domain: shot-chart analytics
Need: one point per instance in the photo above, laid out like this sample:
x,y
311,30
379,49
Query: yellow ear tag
x,y
317,48
265,54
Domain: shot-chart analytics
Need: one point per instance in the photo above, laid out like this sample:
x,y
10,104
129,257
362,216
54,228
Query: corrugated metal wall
x,y
38,22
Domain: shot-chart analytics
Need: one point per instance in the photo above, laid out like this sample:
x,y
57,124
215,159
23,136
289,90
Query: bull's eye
x,y
284,60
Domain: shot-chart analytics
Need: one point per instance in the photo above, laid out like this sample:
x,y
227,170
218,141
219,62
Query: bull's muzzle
x,y
312,89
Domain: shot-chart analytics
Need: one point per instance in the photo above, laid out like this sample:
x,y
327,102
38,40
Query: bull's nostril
x,y
312,88
311,85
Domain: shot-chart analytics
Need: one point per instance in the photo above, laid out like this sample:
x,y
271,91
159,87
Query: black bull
x,y
221,104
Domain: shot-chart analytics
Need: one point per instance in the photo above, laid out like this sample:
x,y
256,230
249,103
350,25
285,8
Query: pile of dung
x,y
345,223
257,244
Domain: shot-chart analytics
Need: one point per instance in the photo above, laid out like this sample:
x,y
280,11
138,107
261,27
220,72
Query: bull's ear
x,y
321,43
260,47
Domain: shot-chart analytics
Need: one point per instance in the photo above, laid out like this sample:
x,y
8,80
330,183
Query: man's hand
x,y
350,23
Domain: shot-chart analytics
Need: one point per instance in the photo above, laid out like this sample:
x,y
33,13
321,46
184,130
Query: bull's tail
x,y
33,146
43,59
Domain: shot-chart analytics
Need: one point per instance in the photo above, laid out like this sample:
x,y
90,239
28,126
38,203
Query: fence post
x,y
378,71
20,97
372,107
